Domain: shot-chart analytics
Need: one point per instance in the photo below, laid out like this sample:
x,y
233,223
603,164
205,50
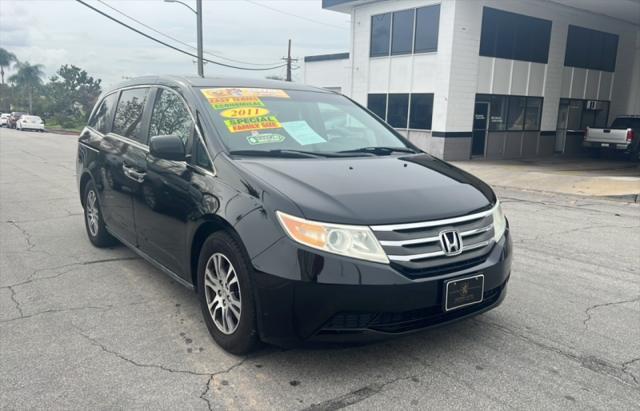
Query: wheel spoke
x,y
222,292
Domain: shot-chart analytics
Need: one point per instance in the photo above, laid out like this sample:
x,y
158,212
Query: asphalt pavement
x,y
87,328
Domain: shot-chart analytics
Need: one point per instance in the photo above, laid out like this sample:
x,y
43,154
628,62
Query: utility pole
x,y
288,59
198,13
199,23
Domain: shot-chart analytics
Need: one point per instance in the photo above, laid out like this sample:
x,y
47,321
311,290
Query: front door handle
x,y
133,174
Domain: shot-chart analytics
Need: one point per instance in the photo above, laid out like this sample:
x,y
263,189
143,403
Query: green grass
x,y
52,125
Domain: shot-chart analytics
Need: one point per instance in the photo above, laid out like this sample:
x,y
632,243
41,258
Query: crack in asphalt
x,y
203,395
71,266
573,230
25,234
590,362
15,301
625,366
577,206
596,306
354,397
54,311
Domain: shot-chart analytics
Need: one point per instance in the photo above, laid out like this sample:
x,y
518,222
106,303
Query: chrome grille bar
x,y
465,248
434,223
427,240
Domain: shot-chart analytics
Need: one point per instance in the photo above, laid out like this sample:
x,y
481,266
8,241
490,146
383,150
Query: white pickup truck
x,y
623,135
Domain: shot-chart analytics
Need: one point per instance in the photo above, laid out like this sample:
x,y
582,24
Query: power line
x,y
255,3
180,41
171,46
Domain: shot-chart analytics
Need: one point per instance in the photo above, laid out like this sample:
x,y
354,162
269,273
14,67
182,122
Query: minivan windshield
x,y
294,123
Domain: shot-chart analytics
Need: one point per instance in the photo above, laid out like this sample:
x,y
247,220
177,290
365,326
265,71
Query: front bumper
x,y
290,311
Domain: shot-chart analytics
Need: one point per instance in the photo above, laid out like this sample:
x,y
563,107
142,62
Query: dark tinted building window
x,y
171,117
421,111
515,118
533,113
380,34
378,104
102,116
398,110
591,49
128,119
498,112
514,36
427,24
402,37
513,113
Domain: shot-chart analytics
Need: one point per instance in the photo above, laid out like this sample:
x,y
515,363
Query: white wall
x,y
329,73
456,72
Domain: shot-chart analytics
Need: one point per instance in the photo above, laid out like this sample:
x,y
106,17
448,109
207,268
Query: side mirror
x,y
167,148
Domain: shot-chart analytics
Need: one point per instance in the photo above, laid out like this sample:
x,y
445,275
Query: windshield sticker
x,y
237,125
246,112
256,139
244,92
302,133
224,103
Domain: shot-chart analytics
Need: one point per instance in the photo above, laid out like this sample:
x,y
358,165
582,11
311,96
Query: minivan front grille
x,y
418,247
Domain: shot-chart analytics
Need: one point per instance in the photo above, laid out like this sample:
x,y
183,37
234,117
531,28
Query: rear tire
x,y
93,220
225,291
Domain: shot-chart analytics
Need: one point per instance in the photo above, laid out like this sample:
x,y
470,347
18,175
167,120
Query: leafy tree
x,y
29,78
6,58
72,94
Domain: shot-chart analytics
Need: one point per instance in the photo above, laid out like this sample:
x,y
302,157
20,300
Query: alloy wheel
x,y
93,214
222,291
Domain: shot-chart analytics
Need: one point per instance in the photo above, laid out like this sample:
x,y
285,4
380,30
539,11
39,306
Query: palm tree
x,y
28,77
6,58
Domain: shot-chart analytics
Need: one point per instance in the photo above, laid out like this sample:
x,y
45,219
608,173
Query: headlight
x,y
499,222
351,241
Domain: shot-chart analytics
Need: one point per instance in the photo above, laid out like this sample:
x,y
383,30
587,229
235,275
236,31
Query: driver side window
x,y
171,117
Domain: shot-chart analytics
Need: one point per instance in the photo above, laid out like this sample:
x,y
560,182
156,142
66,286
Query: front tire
x,y
93,220
225,292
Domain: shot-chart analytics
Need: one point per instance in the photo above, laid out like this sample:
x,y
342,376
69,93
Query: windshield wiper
x,y
278,153
380,150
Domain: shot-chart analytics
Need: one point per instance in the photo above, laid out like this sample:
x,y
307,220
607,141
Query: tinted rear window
x,y
101,117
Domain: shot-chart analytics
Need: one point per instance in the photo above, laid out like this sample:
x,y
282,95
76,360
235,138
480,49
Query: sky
x,y
57,32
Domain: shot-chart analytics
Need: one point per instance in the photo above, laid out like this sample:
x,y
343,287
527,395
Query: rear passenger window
x,y
171,117
100,119
128,119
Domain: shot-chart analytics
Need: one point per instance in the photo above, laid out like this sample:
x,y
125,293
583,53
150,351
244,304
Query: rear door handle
x,y
133,174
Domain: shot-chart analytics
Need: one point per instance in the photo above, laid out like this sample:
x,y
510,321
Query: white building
x,y
489,78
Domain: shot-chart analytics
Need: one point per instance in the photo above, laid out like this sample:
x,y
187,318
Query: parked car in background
x,y
623,135
289,223
4,119
27,122
13,118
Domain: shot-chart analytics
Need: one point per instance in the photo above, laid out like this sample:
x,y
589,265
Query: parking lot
x,y
87,328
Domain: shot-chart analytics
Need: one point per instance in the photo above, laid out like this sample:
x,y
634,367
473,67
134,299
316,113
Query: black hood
x,y
374,190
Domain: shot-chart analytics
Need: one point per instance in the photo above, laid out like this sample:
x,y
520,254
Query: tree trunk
x,y
2,74
30,100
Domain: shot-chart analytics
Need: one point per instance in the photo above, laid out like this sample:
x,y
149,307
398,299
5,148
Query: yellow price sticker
x,y
244,112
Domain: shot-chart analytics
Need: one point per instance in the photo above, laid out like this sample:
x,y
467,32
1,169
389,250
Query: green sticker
x,y
265,139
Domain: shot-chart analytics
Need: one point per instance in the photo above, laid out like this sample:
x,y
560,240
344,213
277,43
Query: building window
x,y
402,33
512,113
405,32
514,36
421,111
591,49
380,34
413,111
398,110
586,113
427,23
378,104
515,118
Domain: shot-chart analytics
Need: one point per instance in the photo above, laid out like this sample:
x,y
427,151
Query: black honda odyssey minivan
x,y
294,213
